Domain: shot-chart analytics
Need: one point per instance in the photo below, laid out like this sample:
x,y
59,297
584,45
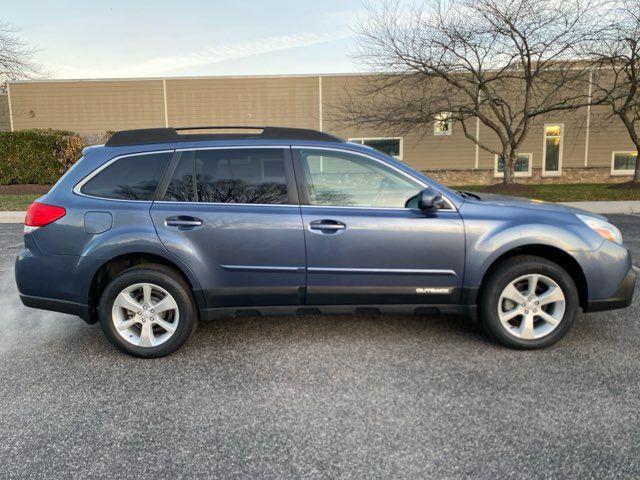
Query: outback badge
x,y
434,290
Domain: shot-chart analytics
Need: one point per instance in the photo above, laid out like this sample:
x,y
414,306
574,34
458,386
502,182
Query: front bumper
x,y
620,299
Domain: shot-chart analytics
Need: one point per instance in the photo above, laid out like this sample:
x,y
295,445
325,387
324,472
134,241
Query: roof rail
x,y
167,135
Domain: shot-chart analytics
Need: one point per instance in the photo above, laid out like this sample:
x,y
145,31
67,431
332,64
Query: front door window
x,y
350,180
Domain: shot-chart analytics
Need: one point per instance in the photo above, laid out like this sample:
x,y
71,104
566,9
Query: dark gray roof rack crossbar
x,y
169,135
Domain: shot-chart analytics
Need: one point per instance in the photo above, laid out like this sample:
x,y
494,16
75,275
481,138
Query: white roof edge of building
x,y
195,77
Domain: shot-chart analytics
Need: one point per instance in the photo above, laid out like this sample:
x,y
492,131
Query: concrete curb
x,y
12,217
630,206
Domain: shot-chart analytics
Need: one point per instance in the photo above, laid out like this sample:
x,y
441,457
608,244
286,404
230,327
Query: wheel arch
x,y
110,268
554,254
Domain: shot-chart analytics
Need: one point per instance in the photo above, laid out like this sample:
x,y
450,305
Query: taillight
x,y
41,214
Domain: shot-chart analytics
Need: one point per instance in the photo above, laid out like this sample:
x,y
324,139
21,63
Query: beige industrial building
x,y
583,146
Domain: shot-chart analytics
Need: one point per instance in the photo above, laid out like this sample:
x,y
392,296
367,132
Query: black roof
x,y
170,135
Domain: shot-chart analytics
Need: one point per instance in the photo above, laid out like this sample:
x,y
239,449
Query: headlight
x,y
602,228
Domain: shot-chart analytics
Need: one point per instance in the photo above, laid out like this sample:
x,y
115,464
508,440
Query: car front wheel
x,y
528,302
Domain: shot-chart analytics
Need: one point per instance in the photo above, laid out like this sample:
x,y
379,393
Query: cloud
x,y
210,55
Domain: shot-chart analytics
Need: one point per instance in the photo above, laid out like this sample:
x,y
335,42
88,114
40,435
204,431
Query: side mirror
x,y
430,200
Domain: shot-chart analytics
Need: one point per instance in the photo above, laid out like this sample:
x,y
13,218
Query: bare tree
x,y
616,76
504,62
16,57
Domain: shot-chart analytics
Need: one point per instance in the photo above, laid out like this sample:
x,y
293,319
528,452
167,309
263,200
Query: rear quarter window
x,y
134,177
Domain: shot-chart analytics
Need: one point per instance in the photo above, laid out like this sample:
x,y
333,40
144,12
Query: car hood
x,y
539,205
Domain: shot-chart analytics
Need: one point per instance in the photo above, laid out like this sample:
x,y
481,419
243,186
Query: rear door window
x,y
181,187
134,177
251,176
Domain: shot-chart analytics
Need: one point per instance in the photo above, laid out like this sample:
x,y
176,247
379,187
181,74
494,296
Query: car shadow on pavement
x,y
374,331
65,332
29,328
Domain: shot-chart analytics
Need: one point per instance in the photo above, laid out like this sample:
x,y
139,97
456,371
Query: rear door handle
x,y
327,226
183,222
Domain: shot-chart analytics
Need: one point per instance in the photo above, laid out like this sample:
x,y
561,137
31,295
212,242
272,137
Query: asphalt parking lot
x,y
318,397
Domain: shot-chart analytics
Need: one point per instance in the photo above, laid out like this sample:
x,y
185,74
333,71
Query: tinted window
x,y
344,179
625,161
521,165
181,186
254,175
553,151
130,178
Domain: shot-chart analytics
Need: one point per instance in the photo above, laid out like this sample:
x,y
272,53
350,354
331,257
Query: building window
x,y
442,124
388,146
522,166
623,163
552,150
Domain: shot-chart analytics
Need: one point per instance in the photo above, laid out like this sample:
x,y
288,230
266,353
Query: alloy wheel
x,y
531,306
145,315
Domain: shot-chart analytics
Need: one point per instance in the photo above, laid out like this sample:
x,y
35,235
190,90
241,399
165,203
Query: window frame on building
x,y
443,133
613,160
552,173
361,140
528,173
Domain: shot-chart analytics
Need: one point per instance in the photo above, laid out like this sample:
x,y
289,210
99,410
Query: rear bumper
x,y
620,299
56,305
52,282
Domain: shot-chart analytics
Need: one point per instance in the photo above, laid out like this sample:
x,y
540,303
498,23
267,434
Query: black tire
x,y
165,278
510,270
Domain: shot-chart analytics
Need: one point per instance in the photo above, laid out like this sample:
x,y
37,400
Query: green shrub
x,y
37,156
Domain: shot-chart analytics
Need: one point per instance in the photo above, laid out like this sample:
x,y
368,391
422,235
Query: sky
x,y
145,38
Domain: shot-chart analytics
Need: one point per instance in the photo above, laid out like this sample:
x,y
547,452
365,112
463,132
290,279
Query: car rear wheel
x,y
147,311
528,302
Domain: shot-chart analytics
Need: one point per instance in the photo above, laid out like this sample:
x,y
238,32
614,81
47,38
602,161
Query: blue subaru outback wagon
x,y
159,228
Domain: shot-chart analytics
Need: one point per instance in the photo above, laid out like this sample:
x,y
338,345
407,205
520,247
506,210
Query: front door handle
x,y
183,222
327,226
